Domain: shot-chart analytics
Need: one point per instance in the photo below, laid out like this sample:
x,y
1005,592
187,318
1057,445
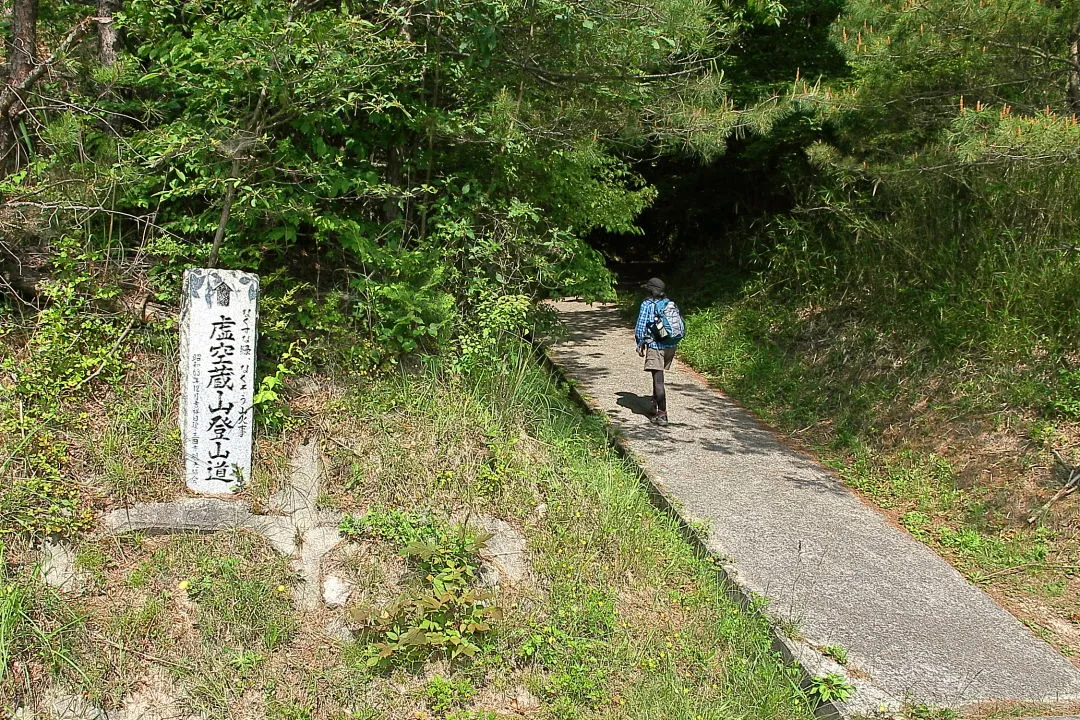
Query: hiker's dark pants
x,y
658,393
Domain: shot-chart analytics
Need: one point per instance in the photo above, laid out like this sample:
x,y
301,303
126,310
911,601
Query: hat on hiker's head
x,y
655,285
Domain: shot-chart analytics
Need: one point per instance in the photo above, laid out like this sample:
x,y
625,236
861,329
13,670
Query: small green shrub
x,y
498,469
832,686
271,411
445,695
498,318
442,614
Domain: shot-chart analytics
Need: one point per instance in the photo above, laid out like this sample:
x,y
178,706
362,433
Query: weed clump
x,y
442,613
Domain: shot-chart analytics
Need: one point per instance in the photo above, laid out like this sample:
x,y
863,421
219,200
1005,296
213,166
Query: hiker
x,y
657,332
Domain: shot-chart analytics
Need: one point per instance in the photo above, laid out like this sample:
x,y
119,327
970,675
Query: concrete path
x,y
832,568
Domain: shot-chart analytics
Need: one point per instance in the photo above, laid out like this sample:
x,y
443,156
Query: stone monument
x,y
217,375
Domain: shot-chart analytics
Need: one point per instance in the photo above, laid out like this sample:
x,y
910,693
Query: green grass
x,y
39,635
138,451
619,617
233,579
629,621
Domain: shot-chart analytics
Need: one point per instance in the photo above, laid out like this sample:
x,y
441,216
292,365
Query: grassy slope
x,y
620,620
957,450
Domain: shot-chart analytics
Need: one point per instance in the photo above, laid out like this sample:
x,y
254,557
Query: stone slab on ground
x,y
279,531
302,491
59,569
204,515
336,591
791,532
317,543
504,557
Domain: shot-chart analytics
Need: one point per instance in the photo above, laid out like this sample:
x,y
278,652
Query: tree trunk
x,y
7,145
21,48
22,43
108,36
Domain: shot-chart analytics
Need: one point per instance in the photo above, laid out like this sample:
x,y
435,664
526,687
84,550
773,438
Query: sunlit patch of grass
x,y
233,579
39,634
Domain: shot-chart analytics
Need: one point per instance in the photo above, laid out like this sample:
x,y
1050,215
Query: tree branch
x,y
11,92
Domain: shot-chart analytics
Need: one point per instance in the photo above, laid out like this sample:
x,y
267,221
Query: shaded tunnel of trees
x,y
705,210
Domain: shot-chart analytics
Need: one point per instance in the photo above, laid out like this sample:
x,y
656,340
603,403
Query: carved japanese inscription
x,y
217,368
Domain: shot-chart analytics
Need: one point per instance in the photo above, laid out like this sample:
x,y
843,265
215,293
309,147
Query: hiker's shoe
x,y
660,419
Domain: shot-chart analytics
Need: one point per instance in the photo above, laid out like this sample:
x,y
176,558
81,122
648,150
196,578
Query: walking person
x,y
658,330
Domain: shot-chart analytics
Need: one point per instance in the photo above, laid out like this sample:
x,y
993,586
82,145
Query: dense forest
x,y
394,168
870,211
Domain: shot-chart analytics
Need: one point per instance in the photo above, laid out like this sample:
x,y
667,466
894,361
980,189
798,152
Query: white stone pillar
x,y
217,374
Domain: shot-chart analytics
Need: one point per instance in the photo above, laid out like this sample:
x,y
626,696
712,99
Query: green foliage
x,y
442,614
578,668
445,695
497,472
472,715
832,686
44,503
287,711
1065,396
572,646
496,320
72,342
394,170
925,223
270,409
937,52
836,652
392,525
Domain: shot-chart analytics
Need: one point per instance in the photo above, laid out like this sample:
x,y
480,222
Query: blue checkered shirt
x,y
643,328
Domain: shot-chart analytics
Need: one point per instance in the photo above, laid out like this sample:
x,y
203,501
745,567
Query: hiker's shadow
x,y
637,404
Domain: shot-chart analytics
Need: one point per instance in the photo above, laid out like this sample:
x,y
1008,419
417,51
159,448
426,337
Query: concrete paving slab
x,y
204,515
790,532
